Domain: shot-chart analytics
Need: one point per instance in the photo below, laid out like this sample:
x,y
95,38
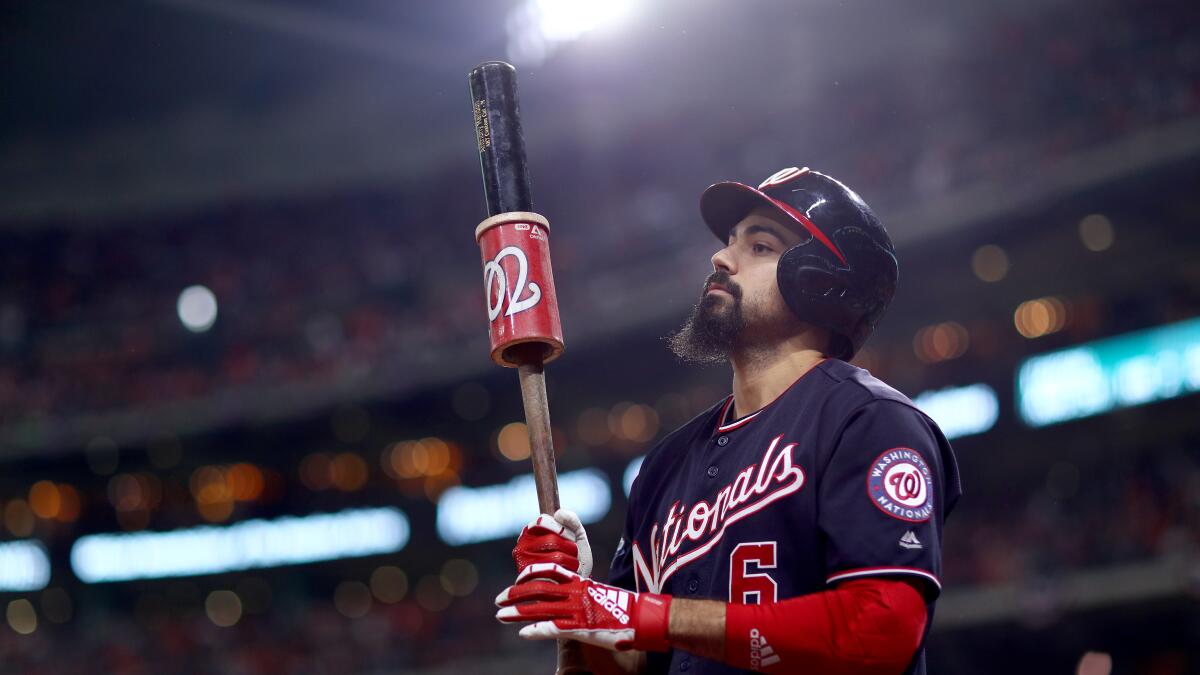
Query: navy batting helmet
x,y
842,275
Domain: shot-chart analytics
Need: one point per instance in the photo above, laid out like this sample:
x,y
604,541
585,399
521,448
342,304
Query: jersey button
x,y
693,586
723,441
713,471
685,664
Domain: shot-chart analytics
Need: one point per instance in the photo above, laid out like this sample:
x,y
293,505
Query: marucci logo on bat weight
x,y
495,277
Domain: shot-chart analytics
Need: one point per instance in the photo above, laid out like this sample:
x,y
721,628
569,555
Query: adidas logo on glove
x,y
613,600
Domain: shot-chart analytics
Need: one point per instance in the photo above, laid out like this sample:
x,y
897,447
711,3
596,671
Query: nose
x,y
722,260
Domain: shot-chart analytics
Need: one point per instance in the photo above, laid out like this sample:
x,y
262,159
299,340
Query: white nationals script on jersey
x,y
754,488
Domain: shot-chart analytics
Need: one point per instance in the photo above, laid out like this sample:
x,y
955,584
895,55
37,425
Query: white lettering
x,y
777,476
493,273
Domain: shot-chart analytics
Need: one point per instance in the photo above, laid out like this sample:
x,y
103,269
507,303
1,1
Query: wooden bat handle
x,y
545,475
537,419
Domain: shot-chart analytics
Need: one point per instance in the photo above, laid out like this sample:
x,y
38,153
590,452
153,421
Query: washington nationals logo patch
x,y
900,484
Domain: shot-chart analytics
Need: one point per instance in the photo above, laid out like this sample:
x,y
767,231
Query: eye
x,y
761,248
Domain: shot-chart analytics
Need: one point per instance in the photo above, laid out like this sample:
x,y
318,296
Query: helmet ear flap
x,y
809,274
846,300
874,271
816,289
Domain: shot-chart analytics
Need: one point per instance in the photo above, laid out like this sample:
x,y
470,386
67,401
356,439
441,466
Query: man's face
x,y
741,305
744,271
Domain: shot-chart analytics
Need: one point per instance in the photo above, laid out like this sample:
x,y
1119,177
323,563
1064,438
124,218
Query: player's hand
x,y
556,603
560,540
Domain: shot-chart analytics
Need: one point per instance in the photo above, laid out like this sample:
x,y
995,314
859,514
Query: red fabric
x,y
568,600
557,603
651,617
539,545
862,627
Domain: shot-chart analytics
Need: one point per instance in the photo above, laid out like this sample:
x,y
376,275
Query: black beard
x,y
708,336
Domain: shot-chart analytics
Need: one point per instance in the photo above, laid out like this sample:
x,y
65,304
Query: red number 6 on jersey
x,y
752,588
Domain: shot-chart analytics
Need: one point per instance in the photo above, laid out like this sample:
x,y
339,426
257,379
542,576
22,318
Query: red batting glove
x,y
559,540
556,603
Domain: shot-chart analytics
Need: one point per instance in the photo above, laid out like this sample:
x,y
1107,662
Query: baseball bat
x,y
528,334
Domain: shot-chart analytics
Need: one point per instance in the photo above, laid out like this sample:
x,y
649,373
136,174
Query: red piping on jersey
x,y
722,428
881,571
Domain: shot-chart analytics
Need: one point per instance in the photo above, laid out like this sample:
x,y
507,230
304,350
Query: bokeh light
x,y
197,308
1043,316
990,263
592,426
348,472
18,518
459,577
633,422
315,473
1096,232
941,342
245,481
21,616
69,505
44,499
224,608
211,492
389,584
430,456
513,441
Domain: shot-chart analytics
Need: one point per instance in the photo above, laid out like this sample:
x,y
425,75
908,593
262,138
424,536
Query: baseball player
x,y
795,526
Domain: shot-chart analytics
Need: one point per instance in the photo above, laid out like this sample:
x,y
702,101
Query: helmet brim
x,y
723,205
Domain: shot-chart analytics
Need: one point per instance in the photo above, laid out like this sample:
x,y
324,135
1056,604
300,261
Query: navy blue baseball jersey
x,y
841,477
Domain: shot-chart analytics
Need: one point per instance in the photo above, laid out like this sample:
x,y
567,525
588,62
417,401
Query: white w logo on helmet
x,y
782,176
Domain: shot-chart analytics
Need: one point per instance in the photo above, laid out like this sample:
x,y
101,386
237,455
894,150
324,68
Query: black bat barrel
x,y
501,142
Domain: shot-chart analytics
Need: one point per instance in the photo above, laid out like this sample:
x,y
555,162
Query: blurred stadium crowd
x,y
365,302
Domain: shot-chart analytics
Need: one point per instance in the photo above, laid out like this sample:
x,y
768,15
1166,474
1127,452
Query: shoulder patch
x,y
900,483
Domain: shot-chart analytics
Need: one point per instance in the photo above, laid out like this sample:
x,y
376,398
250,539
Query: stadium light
x,y
1119,372
961,411
631,472
24,566
251,544
467,515
536,28
562,20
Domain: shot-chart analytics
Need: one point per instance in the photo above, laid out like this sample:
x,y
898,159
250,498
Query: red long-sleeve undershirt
x,y
862,627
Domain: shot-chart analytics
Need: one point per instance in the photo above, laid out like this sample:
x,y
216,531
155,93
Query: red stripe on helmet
x,y
808,225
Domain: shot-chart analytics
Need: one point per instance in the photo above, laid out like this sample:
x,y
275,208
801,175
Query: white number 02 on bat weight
x,y
493,273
